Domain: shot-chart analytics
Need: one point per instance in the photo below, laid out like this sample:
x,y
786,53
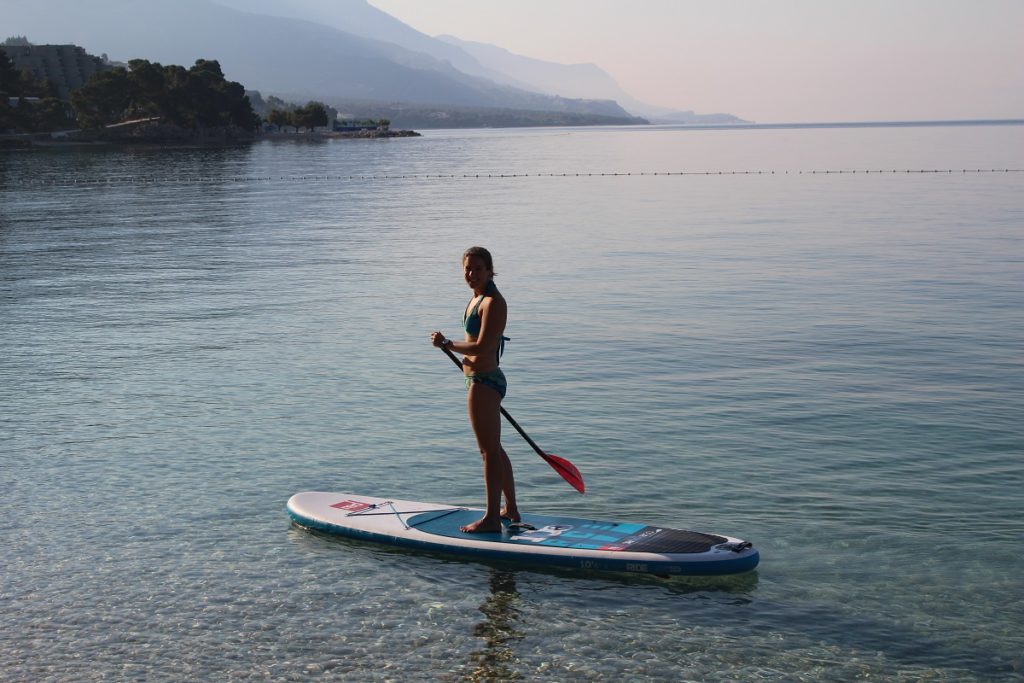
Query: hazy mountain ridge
x,y
567,80
345,50
289,57
360,18
571,80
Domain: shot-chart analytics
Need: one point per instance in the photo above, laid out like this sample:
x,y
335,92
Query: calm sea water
x,y
829,365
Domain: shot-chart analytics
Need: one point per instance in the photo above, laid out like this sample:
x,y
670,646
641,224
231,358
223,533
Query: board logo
x,y
545,533
351,505
642,535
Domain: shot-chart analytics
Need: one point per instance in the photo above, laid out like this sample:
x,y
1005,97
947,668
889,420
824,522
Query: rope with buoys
x,y
152,180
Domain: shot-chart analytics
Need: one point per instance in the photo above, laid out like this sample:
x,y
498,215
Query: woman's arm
x,y
493,314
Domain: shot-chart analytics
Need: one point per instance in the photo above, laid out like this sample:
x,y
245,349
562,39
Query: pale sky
x,y
768,60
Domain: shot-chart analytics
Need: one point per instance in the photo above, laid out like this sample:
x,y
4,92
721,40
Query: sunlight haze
x,y
779,61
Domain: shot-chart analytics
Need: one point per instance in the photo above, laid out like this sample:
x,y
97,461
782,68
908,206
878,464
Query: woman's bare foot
x,y
511,515
482,526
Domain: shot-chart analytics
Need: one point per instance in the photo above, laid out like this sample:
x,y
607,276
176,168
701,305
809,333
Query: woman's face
x,y
476,272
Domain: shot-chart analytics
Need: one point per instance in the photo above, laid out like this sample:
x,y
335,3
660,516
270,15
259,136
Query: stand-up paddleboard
x,y
539,540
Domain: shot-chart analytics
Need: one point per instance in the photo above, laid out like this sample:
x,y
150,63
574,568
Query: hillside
x,y
360,18
573,80
291,58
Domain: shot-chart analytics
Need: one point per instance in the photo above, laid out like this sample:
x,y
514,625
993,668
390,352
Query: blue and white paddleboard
x,y
541,540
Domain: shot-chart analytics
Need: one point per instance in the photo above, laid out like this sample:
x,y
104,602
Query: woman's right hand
x,y
437,339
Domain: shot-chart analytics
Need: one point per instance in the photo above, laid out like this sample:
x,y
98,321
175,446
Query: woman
x,y
484,323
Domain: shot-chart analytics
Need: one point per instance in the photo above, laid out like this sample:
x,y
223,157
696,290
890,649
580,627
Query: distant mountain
x,y
691,118
572,80
567,80
363,19
292,58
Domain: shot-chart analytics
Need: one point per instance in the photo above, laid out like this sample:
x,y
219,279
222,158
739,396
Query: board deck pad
x,y
557,540
570,532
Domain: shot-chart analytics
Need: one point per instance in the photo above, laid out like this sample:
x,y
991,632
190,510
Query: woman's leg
x,y
485,418
508,487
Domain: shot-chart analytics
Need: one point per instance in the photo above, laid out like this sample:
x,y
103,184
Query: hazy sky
x,y
768,60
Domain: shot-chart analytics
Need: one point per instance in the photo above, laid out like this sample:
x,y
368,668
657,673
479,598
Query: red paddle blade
x,y
566,469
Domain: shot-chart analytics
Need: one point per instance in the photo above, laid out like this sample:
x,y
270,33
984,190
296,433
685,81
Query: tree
x,y
148,88
310,116
44,115
198,97
104,99
9,76
206,89
48,113
30,86
276,103
280,118
175,107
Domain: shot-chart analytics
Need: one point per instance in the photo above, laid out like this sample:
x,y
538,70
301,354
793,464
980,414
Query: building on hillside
x,y
68,67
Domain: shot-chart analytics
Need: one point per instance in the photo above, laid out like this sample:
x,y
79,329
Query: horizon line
x,y
850,124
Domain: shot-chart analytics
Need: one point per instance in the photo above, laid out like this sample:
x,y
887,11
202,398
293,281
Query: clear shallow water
x,y
828,365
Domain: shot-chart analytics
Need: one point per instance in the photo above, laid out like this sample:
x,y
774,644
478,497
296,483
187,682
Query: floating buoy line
x,y
152,180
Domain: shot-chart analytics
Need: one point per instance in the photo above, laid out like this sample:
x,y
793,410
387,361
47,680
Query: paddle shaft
x,y
564,468
504,412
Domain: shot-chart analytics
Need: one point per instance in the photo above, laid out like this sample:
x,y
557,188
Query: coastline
x,y
340,135
173,137
145,133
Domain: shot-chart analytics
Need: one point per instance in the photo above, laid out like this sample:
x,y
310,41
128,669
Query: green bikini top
x,y
471,319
